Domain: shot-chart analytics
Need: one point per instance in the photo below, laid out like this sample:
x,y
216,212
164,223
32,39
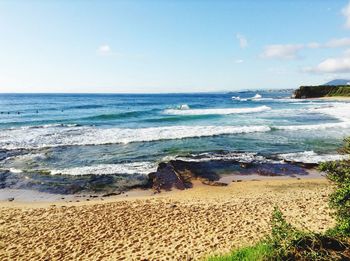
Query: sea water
x,y
129,134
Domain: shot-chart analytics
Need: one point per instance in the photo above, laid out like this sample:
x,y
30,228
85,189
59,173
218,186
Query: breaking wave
x,y
142,168
311,157
243,157
69,136
340,111
251,157
254,98
223,111
322,126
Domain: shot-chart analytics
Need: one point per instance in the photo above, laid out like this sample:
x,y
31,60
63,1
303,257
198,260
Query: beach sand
x,y
177,225
334,98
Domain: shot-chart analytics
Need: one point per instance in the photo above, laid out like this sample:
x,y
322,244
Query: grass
x,y
260,251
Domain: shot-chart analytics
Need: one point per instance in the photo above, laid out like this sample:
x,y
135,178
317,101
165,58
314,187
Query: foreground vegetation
x,y
288,243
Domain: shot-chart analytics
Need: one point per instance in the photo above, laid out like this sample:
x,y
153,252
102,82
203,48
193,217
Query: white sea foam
x,y
322,126
184,107
27,157
237,98
143,168
45,126
223,111
52,137
311,157
256,97
340,111
244,157
276,99
14,170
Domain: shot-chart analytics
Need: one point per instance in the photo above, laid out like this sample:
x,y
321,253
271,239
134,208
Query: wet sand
x,y
178,225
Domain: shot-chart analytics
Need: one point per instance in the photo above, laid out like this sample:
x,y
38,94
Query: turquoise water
x,y
77,134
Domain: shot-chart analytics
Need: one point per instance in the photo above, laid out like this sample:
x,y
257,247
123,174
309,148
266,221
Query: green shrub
x,y
283,234
339,173
289,243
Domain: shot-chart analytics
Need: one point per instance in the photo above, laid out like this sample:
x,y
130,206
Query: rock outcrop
x,y
179,174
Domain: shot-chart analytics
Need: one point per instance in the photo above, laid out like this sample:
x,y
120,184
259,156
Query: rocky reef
x,y
305,92
180,174
173,174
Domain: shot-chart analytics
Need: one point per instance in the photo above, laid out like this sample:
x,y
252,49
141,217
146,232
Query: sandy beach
x,y
334,98
177,225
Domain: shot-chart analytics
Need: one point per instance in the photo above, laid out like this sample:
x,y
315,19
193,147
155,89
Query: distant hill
x,y
337,82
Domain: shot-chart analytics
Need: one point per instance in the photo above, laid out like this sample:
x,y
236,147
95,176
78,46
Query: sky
x,y
141,46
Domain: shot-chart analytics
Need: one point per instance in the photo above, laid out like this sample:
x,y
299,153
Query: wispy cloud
x,y
291,51
239,61
281,51
104,50
243,42
313,45
341,42
346,13
339,64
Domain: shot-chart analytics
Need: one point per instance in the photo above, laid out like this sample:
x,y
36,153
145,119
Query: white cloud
x,y
314,45
346,13
332,65
341,42
281,51
243,42
239,61
104,49
290,51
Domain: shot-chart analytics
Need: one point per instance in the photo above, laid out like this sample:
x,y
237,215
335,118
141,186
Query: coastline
x,y
188,224
28,197
333,98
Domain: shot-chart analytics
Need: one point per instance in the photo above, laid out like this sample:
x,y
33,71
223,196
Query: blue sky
x,y
171,46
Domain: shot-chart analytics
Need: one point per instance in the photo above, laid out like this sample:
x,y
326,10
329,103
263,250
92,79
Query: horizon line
x,y
128,93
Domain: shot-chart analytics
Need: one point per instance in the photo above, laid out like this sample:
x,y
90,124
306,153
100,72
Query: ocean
x,y
66,138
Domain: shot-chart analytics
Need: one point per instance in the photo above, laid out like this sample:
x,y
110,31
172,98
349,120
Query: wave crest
x,y
53,137
323,126
224,111
311,157
142,168
242,157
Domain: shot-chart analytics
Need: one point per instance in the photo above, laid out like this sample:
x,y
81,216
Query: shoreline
x,y
188,224
332,98
22,197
